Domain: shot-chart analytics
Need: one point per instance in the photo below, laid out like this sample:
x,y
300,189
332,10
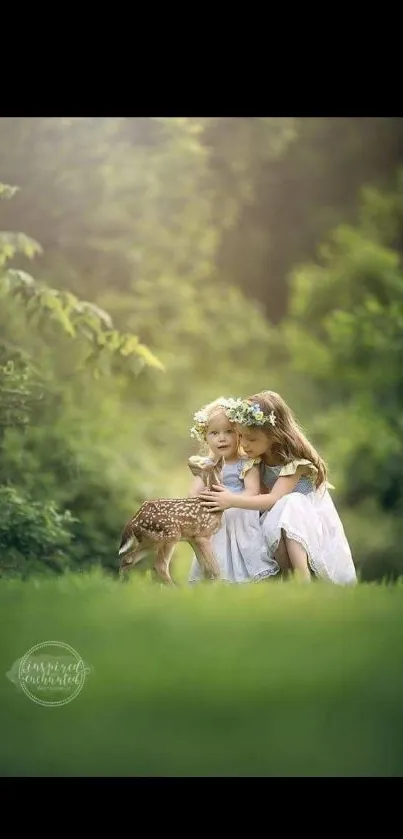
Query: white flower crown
x,y
241,412
201,419
237,410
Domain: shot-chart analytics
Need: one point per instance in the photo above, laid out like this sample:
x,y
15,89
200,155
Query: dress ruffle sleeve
x,y
290,469
247,465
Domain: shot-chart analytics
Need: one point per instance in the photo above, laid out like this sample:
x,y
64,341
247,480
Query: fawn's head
x,y
209,470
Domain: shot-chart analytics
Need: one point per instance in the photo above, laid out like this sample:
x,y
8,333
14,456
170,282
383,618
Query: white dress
x,y
238,545
309,516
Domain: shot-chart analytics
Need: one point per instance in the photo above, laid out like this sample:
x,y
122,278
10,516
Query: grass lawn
x,y
268,679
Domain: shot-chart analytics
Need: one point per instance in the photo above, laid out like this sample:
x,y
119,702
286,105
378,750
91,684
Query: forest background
x,y
148,265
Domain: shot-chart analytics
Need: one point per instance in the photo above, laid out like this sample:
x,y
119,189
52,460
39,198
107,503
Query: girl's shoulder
x,y
246,463
306,468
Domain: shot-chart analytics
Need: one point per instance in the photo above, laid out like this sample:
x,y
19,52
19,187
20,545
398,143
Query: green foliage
x,y
73,316
52,339
79,318
35,537
7,191
310,189
19,392
347,312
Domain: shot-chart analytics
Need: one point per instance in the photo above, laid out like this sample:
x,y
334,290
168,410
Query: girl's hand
x,y
217,499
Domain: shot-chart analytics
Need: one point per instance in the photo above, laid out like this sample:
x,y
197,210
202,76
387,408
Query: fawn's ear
x,y
129,544
219,463
196,463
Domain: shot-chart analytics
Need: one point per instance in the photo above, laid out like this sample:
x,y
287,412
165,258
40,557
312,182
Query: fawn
x,y
160,524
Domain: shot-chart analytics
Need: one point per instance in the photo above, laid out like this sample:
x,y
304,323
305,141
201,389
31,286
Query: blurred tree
x,y
47,318
98,447
120,200
344,333
313,186
123,200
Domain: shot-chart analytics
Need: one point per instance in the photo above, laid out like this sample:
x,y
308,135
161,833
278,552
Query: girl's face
x,y
222,437
254,441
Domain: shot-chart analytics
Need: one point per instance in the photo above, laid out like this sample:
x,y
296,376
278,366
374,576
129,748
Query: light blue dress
x,y
270,474
238,545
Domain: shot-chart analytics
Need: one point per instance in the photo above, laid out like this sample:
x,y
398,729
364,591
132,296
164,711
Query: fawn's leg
x,y
205,554
161,564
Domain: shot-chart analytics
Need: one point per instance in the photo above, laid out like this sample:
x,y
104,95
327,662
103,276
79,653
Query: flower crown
x,y
237,410
241,412
201,419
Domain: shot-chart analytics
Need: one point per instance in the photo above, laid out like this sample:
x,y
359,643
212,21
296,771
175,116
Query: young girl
x,y
238,544
300,525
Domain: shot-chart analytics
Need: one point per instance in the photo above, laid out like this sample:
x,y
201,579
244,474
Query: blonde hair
x,y
288,441
206,414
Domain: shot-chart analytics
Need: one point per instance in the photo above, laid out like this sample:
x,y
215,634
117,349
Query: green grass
x,y
269,679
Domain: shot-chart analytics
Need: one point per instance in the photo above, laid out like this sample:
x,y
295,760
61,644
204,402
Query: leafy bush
x,y
34,536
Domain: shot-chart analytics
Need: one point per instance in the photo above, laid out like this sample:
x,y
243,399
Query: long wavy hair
x,y
288,441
